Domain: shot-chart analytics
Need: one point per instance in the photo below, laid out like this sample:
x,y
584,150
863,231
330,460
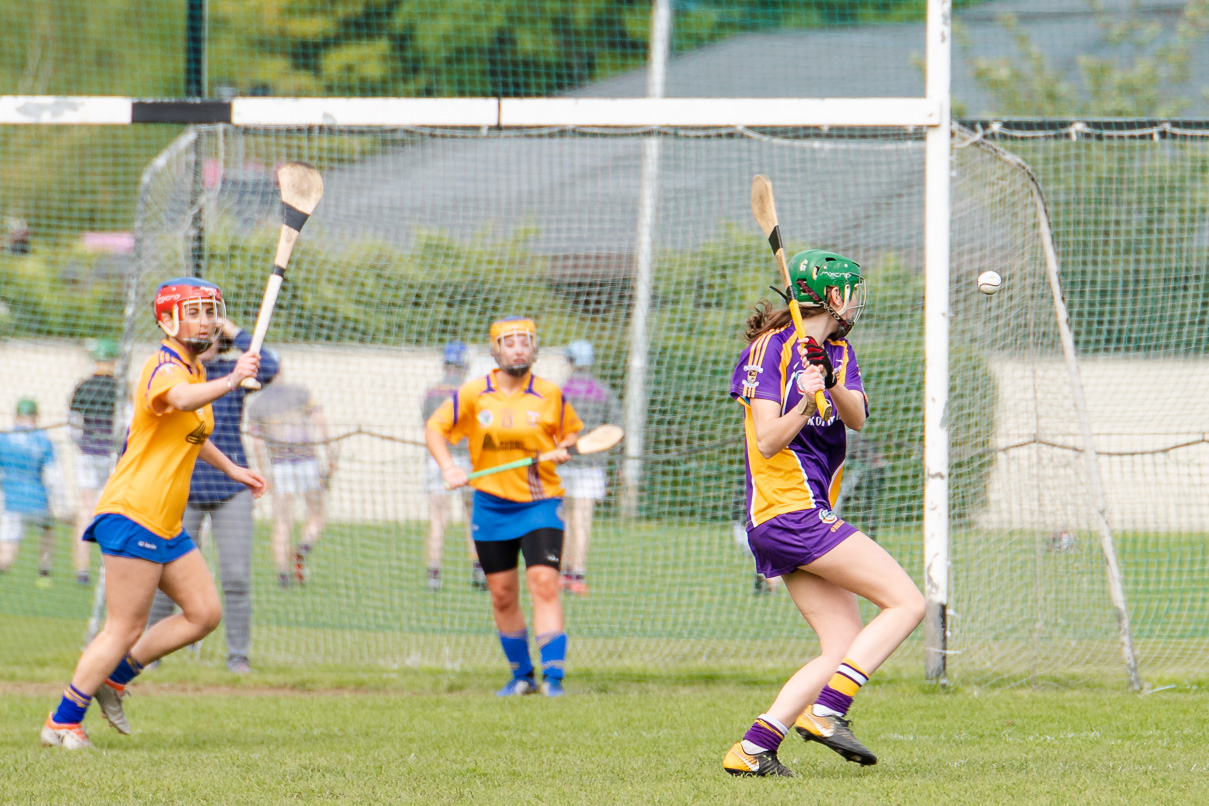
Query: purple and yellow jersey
x,y
150,484
806,473
503,428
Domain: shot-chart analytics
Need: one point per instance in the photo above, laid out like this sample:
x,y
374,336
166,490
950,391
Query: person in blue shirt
x,y
227,503
27,469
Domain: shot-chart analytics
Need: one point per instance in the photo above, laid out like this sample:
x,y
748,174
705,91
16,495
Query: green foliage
x,y
1128,81
468,48
59,292
73,179
1115,207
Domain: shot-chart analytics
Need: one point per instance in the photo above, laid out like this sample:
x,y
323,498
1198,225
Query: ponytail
x,y
766,318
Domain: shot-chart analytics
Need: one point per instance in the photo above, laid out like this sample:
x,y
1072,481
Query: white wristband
x,y
230,383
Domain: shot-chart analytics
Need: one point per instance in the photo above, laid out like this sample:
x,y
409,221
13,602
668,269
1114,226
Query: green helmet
x,y
106,349
812,272
27,407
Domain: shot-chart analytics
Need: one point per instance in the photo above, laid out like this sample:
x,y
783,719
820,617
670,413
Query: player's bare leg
x,y
506,600
863,567
8,554
579,535
835,616
510,621
548,625
316,518
547,603
283,527
46,556
129,590
128,601
438,518
81,554
833,613
478,580
187,582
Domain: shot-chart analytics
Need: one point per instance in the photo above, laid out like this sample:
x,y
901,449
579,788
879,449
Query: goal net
x,y
424,236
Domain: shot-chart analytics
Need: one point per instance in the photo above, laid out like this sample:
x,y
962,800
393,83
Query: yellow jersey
x,y
502,428
150,484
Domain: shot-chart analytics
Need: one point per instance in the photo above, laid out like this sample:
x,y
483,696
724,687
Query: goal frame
x,y
932,113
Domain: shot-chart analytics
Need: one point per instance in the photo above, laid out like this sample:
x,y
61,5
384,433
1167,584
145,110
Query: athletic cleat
x,y
578,587
434,579
44,582
83,578
69,736
283,579
517,687
301,572
833,732
552,687
109,696
740,762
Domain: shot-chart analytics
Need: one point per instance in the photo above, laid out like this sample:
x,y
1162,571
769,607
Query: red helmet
x,y
170,296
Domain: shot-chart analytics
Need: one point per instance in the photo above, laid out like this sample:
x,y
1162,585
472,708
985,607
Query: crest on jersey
x,y
198,435
753,374
534,417
485,419
827,516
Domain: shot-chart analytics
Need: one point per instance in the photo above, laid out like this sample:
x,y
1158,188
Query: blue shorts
x,y
498,518
787,542
118,536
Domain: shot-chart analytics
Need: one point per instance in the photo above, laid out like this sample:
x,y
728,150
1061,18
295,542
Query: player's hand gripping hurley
x,y
764,208
598,440
301,190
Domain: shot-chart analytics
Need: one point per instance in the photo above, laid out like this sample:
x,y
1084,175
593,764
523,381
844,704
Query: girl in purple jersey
x,y
794,465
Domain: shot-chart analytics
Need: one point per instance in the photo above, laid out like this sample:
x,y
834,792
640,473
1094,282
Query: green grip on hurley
x,y
487,471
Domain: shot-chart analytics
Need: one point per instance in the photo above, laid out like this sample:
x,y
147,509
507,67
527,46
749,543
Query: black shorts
x,y
540,547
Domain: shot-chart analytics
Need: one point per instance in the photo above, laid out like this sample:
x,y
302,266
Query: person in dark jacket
x,y
227,503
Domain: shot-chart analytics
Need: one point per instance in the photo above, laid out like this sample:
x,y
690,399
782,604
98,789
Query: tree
x,y
1128,81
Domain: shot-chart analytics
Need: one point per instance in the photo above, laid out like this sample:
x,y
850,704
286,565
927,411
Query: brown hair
x,y
766,318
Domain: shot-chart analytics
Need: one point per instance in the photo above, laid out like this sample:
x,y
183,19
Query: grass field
x,y
679,594
429,737
372,689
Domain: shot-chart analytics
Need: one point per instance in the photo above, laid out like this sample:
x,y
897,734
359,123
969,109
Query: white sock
x,y
823,710
752,747
771,720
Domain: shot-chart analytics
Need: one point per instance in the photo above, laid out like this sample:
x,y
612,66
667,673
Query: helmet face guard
x,y
189,298
813,272
517,327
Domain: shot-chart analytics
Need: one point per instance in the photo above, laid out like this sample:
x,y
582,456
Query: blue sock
x,y
72,707
127,670
516,650
554,654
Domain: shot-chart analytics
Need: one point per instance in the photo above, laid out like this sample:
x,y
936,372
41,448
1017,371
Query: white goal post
x,y
477,112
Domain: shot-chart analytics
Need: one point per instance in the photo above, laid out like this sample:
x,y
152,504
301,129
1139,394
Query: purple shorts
x,y
789,541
